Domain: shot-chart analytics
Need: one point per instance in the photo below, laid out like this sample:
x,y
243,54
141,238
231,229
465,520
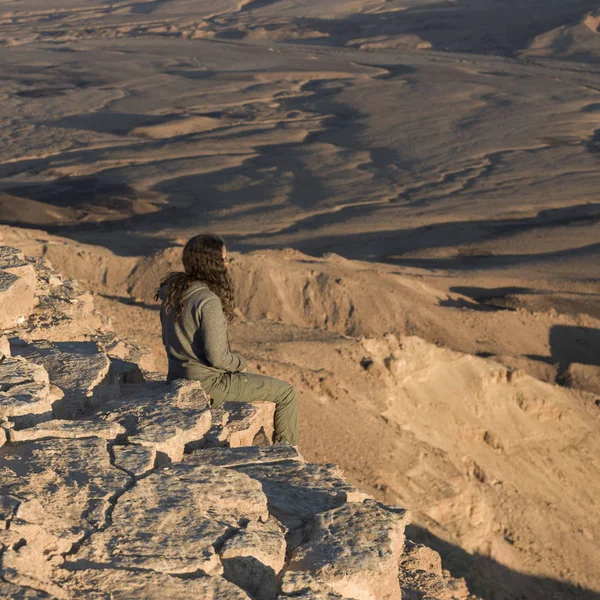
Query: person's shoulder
x,y
199,294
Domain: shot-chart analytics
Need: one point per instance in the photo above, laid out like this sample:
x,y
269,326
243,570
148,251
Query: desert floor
x,y
410,193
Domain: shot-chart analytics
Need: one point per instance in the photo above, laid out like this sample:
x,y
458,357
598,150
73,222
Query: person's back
x,y
196,306
196,341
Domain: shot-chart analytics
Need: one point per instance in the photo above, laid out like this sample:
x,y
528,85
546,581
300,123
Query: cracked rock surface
x,y
173,520
61,491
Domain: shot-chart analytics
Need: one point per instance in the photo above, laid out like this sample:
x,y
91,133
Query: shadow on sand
x,y
482,27
492,581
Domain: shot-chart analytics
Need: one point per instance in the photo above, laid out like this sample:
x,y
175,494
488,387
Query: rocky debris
x,y
67,429
25,396
354,550
63,490
135,460
112,584
237,424
174,520
421,576
64,310
165,417
254,557
17,287
79,369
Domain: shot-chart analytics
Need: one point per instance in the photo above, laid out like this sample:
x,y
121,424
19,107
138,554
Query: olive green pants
x,y
250,387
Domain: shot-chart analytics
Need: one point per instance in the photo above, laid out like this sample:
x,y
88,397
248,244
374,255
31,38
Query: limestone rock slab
x,y
173,520
77,368
237,424
110,584
246,455
63,488
68,429
165,417
25,397
135,460
354,550
253,558
297,492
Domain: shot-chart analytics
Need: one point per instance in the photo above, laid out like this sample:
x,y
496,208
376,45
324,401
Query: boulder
x,y
77,368
354,550
67,429
254,557
164,417
237,424
421,575
175,520
25,397
17,288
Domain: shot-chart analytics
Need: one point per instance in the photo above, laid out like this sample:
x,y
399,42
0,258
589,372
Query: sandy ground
x,y
410,189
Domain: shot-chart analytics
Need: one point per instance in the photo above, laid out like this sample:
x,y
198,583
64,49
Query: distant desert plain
x,y
410,191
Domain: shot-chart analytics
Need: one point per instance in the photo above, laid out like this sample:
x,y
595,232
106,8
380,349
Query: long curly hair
x,y
202,261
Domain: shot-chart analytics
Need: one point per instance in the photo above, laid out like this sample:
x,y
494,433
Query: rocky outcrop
x,y
116,487
17,287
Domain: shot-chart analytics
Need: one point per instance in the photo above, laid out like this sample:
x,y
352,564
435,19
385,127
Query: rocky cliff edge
x,y
114,484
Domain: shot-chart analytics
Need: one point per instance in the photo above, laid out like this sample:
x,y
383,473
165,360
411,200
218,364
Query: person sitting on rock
x,y
196,307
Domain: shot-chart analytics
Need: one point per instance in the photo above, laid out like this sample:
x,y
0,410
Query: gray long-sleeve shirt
x,y
196,343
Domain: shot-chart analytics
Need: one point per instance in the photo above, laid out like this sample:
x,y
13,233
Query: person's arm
x,y
213,329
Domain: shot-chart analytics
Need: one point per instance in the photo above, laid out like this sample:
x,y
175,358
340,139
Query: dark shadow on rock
x,y
491,580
